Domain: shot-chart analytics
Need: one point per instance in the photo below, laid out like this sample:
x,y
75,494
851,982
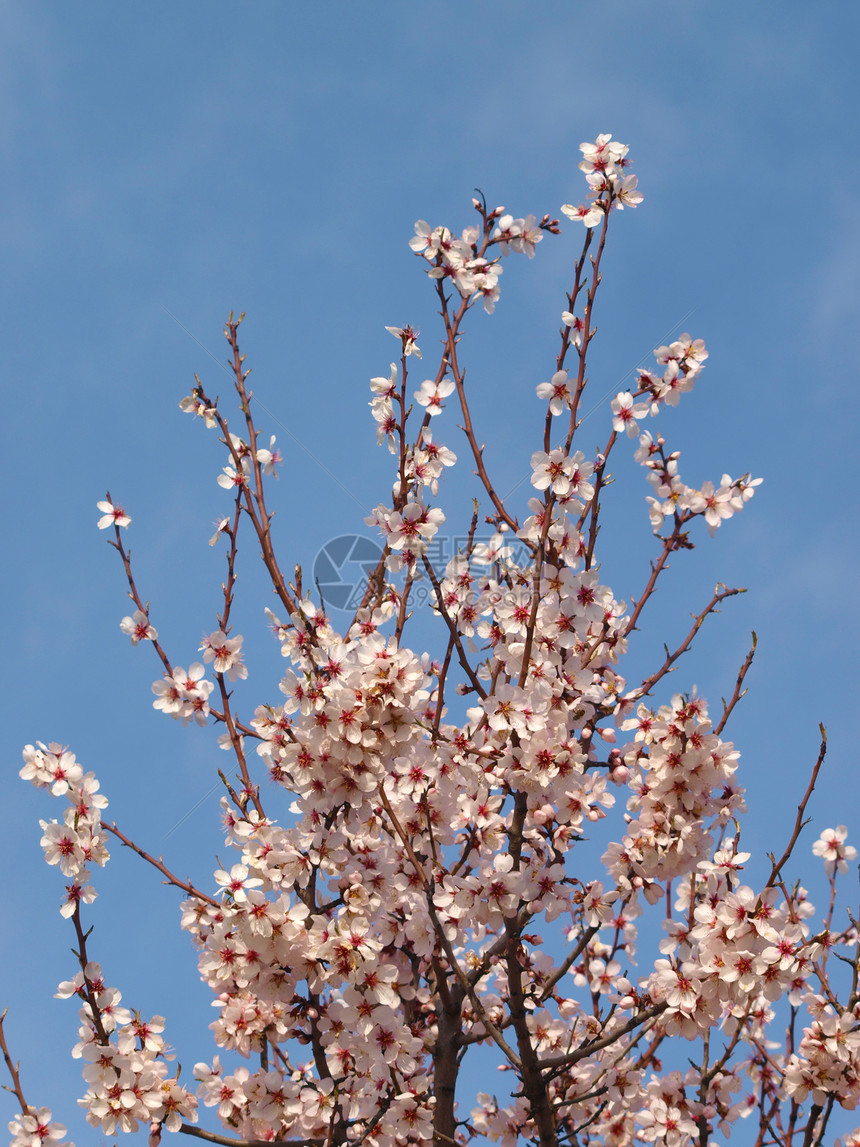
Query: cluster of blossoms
x,y
464,263
243,460
679,502
37,1129
184,695
833,850
458,261
407,531
125,1062
225,655
402,907
827,1062
683,362
609,189
79,840
125,1057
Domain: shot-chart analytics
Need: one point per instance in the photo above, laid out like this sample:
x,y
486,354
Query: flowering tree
x,y
412,883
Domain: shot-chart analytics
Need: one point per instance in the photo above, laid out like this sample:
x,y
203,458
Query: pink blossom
x,y
112,516
137,627
833,850
431,394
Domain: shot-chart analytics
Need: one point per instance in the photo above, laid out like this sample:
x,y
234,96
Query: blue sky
x,y
272,158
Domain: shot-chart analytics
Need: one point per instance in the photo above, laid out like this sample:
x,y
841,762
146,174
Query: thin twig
x,y
649,682
739,687
13,1069
801,809
213,1137
185,885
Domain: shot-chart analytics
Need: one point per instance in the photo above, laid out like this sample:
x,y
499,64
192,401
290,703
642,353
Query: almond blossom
x,y
137,627
833,850
557,391
407,336
270,458
431,394
225,654
112,516
36,1129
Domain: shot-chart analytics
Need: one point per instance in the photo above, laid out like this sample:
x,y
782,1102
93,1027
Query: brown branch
x,y
254,500
400,498
593,507
739,689
135,596
468,989
263,526
185,885
88,991
669,546
498,946
465,985
587,332
533,1082
451,330
566,331
649,682
404,840
569,960
13,1068
801,809
452,635
814,1112
213,1137
250,788
224,618
144,609
446,1065
455,634
536,595
440,685
570,1058
402,615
